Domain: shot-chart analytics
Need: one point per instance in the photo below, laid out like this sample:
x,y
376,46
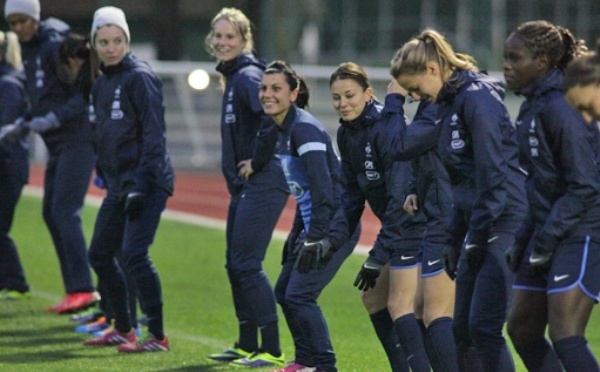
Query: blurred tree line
x,y
332,31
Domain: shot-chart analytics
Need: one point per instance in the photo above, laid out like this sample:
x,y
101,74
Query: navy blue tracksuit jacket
x,y
559,152
14,174
71,153
418,142
130,129
241,119
48,93
14,157
313,179
477,144
368,173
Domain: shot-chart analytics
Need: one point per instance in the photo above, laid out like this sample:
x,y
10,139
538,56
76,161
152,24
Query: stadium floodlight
x,y
198,79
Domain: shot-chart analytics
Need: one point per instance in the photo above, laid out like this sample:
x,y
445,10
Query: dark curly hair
x,y
557,43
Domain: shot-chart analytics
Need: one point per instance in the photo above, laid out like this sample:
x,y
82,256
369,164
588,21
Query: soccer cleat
x,y
149,343
52,309
138,332
87,316
230,355
260,359
295,367
9,294
113,337
78,301
74,302
93,327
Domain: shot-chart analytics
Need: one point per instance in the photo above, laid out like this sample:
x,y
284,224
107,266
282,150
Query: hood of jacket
x,y
129,62
552,80
370,114
247,59
50,28
464,78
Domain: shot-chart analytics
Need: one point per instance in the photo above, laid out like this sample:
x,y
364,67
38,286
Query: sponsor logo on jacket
x,y
457,142
534,142
116,112
370,172
229,116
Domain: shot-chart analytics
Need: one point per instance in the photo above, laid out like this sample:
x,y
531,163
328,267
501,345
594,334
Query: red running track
x,y
205,194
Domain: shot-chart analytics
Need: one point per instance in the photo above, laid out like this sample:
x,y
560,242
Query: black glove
x,y
543,250
540,260
134,203
513,256
451,255
314,255
368,274
475,254
289,248
476,250
10,132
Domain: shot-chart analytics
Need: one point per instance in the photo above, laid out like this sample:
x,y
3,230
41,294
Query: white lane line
x,y
184,217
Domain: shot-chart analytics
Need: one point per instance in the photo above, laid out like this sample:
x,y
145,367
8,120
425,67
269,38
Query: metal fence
x,y
193,116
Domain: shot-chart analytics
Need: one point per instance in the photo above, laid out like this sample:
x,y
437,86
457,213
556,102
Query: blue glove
x,y
314,255
40,124
134,203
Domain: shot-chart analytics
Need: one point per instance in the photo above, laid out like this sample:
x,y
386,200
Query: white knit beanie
x,y
27,7
109,15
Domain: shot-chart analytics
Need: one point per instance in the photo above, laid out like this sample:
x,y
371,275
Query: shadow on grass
x,y
43,357
46,331
212,367
41,341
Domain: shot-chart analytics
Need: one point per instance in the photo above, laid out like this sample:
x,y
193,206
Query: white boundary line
x,y
183,217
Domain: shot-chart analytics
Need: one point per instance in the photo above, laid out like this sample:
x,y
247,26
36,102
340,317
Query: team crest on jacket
x,y
295,189
116,113
454,120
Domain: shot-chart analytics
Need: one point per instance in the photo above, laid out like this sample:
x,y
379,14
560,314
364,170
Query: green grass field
x,y
199,317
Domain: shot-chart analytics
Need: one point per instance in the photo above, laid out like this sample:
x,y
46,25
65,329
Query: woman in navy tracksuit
x,y
557,257
431,193
14,164
60,116
312,170
478,147
369,175
128,112
255,204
